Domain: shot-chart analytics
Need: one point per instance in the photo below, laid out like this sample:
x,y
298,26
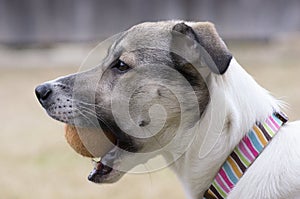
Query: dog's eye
x,y
121,66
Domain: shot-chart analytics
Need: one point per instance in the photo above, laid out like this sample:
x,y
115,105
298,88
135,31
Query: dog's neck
x,y
237,102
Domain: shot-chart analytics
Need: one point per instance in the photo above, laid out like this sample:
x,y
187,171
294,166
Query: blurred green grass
x,y
36,161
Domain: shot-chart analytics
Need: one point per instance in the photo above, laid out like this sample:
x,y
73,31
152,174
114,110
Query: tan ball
x,y
89,142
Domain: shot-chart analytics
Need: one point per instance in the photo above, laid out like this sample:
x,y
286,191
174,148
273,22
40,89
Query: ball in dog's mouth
x,y
92,143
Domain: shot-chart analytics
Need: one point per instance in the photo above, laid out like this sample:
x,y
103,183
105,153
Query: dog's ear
x,y
210,47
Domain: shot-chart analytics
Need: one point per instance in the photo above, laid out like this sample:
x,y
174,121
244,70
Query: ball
x,y
89,142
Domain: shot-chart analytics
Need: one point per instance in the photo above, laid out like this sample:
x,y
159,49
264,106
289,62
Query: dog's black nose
x,y
43,92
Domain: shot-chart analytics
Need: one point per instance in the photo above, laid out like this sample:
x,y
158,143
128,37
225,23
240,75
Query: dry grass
x,y
36,162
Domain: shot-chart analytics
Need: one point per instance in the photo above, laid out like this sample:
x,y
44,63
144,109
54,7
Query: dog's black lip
x,y
99,171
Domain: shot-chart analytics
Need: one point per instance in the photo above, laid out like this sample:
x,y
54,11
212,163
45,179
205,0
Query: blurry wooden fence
x,y
31,21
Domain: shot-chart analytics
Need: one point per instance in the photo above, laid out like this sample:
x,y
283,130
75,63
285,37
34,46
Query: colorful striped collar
x,y
244,154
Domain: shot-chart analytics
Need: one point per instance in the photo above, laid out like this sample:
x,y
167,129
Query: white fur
x,y
275,174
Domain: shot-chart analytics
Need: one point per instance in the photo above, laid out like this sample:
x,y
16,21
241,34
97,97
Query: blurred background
x,y
43,39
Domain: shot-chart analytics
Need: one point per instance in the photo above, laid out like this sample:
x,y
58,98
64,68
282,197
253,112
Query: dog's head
x,y
148,92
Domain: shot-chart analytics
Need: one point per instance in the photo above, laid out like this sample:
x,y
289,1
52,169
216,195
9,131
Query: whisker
x,y
87,118
89,104
94,114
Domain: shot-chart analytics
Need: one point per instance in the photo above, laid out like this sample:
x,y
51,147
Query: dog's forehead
x,y
150,28
148,35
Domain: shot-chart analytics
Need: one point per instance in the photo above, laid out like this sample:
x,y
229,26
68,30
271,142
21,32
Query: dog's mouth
x,y
103,145
107,164
103,173
99,171
107,169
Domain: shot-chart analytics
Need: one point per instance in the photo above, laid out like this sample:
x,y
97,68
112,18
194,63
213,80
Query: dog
x,y
173,88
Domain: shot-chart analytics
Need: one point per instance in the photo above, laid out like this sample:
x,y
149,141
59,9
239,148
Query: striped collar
x,y
244,154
